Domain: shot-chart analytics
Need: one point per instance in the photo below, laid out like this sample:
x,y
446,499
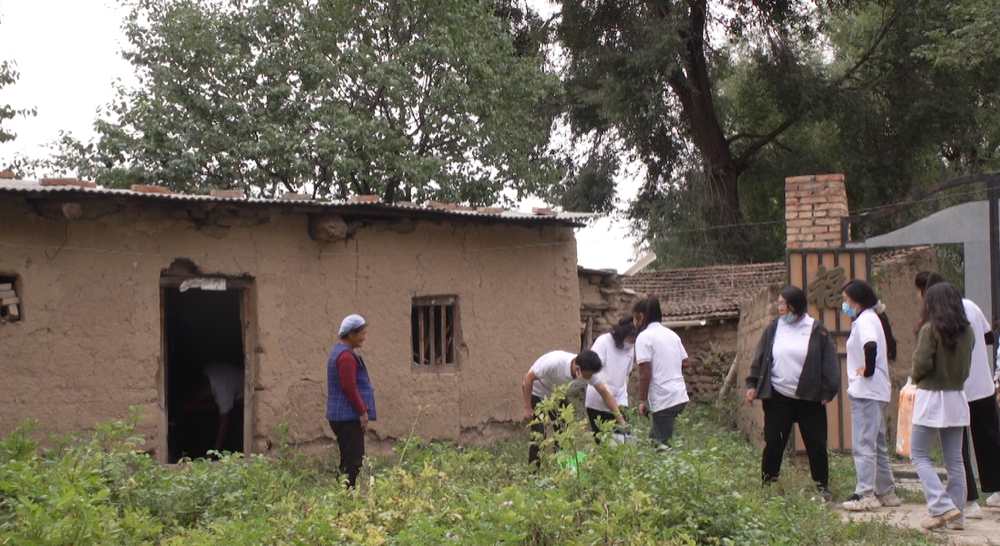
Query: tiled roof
x,y
716,292
709,293
365,205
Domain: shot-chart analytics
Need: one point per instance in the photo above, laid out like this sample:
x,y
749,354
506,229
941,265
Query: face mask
x,y
629,346
848,310
788,318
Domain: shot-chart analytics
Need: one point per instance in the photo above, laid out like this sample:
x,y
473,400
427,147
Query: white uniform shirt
x,y
227,384
617,367
940,409
552,370
663,349
979,385
791,344
867,327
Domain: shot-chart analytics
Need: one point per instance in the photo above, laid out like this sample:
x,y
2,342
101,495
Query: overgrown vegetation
x,y
101,489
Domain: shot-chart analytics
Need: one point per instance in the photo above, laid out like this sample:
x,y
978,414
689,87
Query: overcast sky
x,y
67,52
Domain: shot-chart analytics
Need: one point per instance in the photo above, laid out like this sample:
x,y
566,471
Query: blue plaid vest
x,y
337,406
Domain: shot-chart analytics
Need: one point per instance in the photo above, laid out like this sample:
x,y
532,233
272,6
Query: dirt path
x,y
977,531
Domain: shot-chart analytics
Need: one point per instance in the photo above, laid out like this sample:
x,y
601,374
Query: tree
x,y
721,100
409,100
9,76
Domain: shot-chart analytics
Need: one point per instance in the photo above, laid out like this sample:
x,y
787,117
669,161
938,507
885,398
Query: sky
x,y
68,56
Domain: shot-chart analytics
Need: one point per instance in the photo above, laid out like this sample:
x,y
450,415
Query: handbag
x,y
904,421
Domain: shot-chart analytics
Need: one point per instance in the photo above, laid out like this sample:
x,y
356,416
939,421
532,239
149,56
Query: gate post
x,y
820,265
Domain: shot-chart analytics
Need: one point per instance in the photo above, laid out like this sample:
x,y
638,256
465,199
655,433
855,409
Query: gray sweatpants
x,y
871,456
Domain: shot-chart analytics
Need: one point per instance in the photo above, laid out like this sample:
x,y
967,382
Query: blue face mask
x,y
848,310
788,318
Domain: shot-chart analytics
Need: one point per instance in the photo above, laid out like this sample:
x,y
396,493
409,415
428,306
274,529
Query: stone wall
x,y
711,349
603,302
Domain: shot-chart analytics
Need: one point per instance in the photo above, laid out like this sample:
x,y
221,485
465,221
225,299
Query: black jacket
x,y
820,379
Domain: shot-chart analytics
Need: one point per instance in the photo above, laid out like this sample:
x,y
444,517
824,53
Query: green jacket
x,y
935,368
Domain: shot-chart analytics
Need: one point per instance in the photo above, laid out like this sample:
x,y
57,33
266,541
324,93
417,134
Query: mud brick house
x,y
114,298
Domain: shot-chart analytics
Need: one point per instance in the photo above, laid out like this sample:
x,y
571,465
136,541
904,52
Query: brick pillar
x,y
814,205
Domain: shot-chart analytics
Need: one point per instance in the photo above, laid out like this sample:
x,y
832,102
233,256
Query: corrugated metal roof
x,y
36,187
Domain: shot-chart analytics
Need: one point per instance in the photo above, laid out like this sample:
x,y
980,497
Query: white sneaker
x,y
857,503
973,511
994,500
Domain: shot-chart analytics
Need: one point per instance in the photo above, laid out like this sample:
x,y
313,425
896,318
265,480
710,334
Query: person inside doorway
x,y
225,386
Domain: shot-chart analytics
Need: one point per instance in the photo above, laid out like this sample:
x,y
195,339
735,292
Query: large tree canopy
x,y
722,99
410,100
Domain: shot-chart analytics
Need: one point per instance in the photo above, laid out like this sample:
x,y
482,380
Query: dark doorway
x,y
203,337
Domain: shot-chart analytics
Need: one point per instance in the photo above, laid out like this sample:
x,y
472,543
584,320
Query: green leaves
x,y
409,100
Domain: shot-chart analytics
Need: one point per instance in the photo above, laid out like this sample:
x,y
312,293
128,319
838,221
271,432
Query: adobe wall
x,y
89,344
603,301
894,285
755,314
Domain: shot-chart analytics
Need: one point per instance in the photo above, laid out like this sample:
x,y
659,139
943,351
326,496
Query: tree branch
x,y
743,160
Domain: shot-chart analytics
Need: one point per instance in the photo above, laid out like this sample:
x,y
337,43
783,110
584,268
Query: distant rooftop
x,y
716,292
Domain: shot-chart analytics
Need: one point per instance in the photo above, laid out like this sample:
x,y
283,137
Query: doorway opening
x,y
204,348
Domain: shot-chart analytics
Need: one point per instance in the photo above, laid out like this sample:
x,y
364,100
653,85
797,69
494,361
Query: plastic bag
x,y
904,423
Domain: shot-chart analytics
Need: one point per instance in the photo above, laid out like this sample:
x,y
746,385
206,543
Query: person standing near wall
x,y
350,402
870,347
795,372
984,414
660,357
941,365
616,350
555,369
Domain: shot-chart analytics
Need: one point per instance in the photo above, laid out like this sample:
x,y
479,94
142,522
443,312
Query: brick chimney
x,y
814,205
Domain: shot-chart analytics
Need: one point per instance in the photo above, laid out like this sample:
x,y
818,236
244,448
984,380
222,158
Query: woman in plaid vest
x,y
350,402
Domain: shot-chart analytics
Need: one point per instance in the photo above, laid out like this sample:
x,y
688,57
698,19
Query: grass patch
x,y
98,489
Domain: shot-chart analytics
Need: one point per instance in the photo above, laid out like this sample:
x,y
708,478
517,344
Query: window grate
x,y
433,331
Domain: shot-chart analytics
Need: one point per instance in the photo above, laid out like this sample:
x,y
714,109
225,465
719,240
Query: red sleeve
x,y
347,369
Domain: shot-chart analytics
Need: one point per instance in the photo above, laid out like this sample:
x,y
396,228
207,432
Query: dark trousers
x,y
984,423
663,423
351,441
780,412
540,429
596,418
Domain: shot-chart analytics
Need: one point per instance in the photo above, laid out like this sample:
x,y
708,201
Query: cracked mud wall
x,y
89,342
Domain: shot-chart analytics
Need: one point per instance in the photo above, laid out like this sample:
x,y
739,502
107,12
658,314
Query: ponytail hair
x,y
650,309
864,295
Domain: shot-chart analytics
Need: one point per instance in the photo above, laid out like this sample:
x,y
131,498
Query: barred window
x,y
433,321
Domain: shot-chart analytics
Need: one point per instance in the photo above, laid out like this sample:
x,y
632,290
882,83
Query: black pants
x,y
351,441
596,418
780,412
984,422
540,428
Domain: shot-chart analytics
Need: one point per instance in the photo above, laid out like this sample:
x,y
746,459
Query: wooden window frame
x,y
434,333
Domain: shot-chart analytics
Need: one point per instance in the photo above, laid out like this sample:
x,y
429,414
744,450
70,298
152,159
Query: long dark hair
x,y
944,311
650,309
863,293
622,330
